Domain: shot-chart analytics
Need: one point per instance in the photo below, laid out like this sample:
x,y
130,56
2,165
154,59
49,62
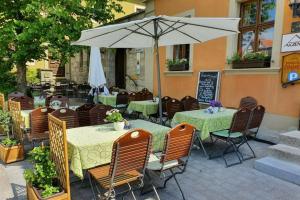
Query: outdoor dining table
x,y
147,107
110,100
91,146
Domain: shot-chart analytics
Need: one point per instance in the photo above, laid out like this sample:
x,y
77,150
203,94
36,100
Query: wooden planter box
x,y
11,154
33,194
178,67
251,64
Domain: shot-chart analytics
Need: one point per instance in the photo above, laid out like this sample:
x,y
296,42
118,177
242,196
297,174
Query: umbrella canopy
x,y
96,73
159,31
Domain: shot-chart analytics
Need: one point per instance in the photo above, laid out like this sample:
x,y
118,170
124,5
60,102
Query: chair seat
x,y
225,134
38,136
155,165
101,175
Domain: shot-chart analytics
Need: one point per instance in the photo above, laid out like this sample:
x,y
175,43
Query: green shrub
x,y
5,121
8,142
33,75
43,173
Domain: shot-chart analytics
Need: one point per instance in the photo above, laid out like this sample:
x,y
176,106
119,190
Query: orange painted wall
x,y
266,88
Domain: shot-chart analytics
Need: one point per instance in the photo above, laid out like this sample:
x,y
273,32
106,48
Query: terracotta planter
x,y
33,194
11,154
251,64
178,67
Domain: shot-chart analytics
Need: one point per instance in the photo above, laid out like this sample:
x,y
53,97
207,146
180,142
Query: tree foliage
x,y
31,28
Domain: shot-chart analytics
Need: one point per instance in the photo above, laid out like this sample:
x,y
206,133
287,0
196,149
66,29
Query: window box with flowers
x,y
250,60
178,64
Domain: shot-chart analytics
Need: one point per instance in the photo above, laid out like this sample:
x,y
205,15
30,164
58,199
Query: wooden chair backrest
x,y
139,96
67,115
39,120
83,113
190,103
173,106
248,102
122,98
164,101
113,89
256,117
2,102
62,100
15,94
17,121
26,102
147,96
178,142
240,120
59,151
130,152
132,96
98,113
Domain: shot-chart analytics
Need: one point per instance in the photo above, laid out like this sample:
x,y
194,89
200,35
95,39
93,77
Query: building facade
x,y
263,22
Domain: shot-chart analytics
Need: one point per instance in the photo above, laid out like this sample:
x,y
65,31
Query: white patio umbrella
x,y
96,74
159,31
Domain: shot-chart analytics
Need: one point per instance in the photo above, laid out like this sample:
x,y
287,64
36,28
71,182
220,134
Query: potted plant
x,y
250,60
41,181
178,64
11,150
214,106
115,117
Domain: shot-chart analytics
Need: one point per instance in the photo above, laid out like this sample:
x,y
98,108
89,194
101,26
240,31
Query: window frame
x,y
257,27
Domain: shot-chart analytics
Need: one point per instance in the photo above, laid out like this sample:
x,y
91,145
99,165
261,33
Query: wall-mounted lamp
x,y
295,6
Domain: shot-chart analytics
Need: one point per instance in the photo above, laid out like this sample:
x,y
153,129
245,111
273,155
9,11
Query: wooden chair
x,y
130,155
190,103
98,113
39,130
67,115
59,102
122,100
132,97
113,89
2,102
255,121
17,121
59,153
235,134
175,155
173,106
15,94
26,102
147,96
164,101
248,102
83,113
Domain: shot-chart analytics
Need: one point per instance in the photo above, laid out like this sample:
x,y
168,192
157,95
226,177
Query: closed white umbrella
x,y
96,77
159,31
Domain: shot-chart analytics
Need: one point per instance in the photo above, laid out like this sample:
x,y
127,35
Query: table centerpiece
x,y
116,118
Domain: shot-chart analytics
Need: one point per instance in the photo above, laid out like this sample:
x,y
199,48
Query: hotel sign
x,y
290,67
290,42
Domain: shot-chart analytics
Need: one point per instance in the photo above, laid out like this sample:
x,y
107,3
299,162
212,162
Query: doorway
x,y
120,68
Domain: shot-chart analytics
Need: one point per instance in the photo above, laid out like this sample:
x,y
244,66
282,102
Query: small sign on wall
x,y
290,68
290,42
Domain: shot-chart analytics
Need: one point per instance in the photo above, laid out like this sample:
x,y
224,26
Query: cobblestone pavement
x,y
203,180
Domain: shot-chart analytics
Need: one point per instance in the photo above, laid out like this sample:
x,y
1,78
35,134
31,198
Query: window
x,y
181,51
257,26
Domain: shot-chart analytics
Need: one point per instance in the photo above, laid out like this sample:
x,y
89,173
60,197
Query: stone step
x,y
285,152
281,169
291,138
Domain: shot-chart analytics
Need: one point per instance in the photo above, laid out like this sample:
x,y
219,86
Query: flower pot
x,y
251,64
11,154
119,126
34,194
179,67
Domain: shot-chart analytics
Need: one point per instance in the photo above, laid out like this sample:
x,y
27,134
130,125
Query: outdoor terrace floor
x,y
203,180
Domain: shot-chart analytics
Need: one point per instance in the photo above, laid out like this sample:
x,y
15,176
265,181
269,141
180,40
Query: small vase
x,y
119,126
215,109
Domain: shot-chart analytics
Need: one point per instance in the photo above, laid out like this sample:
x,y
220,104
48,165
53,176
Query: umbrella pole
x,y
158,72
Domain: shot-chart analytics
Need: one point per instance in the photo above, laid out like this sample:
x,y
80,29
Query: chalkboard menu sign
x,y
208,86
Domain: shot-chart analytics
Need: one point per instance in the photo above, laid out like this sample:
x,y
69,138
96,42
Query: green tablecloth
x,y
146,107
25,114
91,146
205,122
110,100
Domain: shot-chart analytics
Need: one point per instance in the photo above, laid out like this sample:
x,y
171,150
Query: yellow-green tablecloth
x,y
110,100
26,118
148,107
205,122
91,146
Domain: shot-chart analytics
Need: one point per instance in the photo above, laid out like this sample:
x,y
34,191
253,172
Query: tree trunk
x,y
21,77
